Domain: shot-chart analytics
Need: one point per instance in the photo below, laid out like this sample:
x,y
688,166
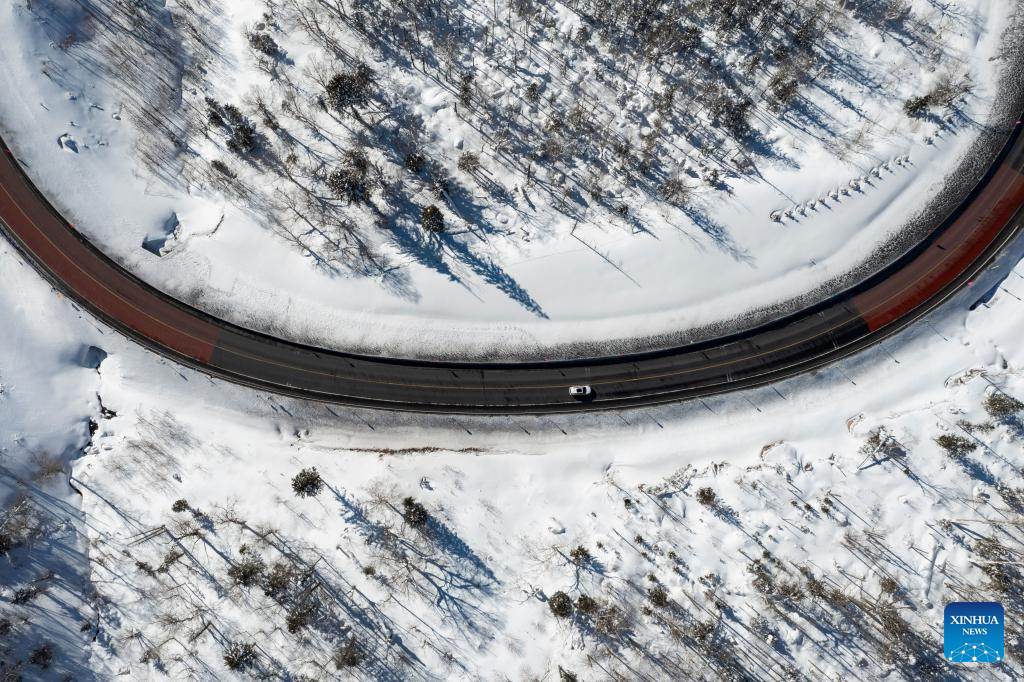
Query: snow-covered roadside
x,y
805,539
814,528
48,390
598,286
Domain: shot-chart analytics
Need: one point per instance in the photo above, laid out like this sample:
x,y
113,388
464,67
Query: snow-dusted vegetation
x,y
809,531
793,563
480,177
437,177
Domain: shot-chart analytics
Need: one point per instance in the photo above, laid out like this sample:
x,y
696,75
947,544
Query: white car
x,y
580,391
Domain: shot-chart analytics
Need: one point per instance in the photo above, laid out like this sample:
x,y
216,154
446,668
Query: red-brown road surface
x,y
89,278
954,252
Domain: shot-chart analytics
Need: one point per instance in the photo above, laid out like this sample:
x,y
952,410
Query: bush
x,y
611,621
20,524
469,162
707,497
784,89
586,604
466,90
243,138
414,513
299,617
956,447
658,596
431,219
580,555
578,118
349,654
234,114
307,483
280,580
1000,406
215,118
915,106
180,506
350,183
247,572
552,148
791,591
262,42
222,168
560,604
23,595
351,89
46,465
239,656
675,192
415,163
732,115
1013,497
703,632
42,656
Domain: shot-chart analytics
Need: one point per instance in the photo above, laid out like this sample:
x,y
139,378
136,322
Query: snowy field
x,y
808,531
264,162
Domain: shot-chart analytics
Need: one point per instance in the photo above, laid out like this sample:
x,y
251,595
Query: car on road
x,y
580,391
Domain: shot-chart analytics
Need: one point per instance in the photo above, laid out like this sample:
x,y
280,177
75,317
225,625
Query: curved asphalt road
x,y
958,249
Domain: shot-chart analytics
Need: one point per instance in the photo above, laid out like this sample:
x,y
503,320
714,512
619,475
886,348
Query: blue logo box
x,y
973,632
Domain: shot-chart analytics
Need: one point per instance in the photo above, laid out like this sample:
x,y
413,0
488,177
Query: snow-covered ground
x,y
47,397
519,270
818,552
811,530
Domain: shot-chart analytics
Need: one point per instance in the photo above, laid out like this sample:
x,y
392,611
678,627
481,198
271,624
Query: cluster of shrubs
x,y
264,43
956,447
350,89
242,135
1001,405
352,181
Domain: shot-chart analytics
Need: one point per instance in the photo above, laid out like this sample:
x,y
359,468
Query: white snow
x,y
47,396
531,280
782,577
511,498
